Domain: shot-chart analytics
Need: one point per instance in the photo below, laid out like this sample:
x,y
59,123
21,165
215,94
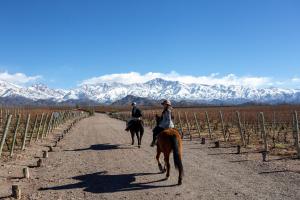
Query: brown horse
x,y
167,141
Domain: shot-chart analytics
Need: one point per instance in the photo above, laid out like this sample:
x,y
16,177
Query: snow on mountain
x,y
155,89
34,92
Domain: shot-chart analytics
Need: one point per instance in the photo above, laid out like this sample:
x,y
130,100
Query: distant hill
x,y
139,100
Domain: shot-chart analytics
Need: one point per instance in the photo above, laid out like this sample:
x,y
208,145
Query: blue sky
x,y
65,42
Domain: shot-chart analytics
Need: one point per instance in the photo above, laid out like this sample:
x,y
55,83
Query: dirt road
x,y
96,161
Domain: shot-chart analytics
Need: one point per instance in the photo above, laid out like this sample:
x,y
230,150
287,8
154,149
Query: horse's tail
x,y
176,146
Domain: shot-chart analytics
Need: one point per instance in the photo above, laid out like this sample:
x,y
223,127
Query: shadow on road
x,y
231,153
101,182
101,147
280,171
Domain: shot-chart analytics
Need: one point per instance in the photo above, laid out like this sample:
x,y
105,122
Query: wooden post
x,y
174,119
39,162
25,132
258,124
241,129
45,154
222,124
53,125
15,136
238,147
297,134
263,130
188,125
273,130
49,125
26,173
203,140
44,127
217,144
197,125
264,155
6,129
40,125
208,124
50,149
180,124
16,192
33,129
1,117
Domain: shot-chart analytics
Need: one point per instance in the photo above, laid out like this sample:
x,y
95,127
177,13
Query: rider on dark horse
x,y
165,121
136,114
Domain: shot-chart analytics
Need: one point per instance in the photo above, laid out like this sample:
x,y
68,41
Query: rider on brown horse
x,y
165,122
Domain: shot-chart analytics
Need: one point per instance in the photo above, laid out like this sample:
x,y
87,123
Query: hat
x,y
166,102
133,103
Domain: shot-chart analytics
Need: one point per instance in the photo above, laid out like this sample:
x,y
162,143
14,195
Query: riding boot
x,y
127,127
128,124
155,133
153,143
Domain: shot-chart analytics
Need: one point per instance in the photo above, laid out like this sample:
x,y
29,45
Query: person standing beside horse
x,y
165,121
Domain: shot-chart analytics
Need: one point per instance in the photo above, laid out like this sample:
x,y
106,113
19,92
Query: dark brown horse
x,y
167,141
137,128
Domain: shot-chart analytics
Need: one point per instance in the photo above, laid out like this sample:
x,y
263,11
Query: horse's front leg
x,y
132,137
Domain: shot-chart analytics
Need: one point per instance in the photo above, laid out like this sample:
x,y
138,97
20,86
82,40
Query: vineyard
x,y
46,154
272,130
20,127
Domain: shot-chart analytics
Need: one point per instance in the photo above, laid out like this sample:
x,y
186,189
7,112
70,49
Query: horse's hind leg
x,y
167,163
139,139
141,134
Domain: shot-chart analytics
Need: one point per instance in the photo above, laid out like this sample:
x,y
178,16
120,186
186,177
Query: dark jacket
x,y
136,112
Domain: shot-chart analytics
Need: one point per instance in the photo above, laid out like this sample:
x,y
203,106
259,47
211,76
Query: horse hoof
x,y
139,146
165,170
161,169
179,182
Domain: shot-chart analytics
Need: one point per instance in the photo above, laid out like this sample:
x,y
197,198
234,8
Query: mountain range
x,y
149,92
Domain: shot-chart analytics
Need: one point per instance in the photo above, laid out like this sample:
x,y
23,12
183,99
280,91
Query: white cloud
x,y
134,77
18,78
296,80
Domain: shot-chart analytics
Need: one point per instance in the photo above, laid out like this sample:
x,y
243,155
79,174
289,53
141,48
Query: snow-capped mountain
x,y
155,89
34,92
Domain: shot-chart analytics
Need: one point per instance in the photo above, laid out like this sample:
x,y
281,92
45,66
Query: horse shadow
x,y
101,182
100,147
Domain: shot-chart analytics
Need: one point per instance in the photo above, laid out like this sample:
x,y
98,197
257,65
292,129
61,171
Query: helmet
x,y
133,103
167,102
